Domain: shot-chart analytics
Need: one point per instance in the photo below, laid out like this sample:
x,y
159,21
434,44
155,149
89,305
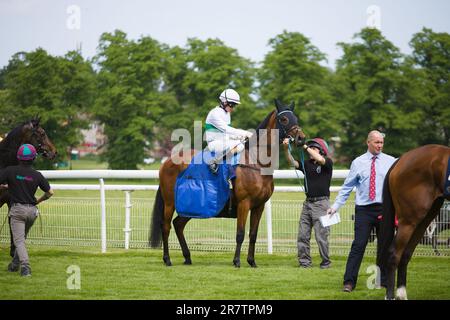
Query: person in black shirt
x,y
318,171
23,182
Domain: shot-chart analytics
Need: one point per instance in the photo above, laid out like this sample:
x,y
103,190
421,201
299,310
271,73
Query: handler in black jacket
x,y
23,182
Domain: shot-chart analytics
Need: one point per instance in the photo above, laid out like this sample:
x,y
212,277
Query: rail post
x,y
127,228
103,210
268,210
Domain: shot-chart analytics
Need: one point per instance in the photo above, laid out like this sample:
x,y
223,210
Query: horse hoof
x,y
401,293
167,262
187,262
252,264
237,264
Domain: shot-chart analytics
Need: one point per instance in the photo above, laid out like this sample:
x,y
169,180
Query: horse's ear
x,y
35,121
277,104
292,106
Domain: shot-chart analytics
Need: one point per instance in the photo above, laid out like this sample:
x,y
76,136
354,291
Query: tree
x,y
292,71
377,94
131,99
58,89
431,54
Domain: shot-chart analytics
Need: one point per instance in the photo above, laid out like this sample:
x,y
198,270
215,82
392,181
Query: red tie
x,y
372,179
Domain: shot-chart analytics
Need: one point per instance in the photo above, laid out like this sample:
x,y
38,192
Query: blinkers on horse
x,y
287,124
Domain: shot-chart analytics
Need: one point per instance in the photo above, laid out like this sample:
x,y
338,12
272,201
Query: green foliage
x,y
377,93
130,100
292,72
57,89
432,54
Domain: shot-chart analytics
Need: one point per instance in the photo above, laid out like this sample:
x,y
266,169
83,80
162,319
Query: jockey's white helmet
x,y
230,95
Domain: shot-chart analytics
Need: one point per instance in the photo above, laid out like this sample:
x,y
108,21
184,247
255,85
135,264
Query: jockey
x,y
220,136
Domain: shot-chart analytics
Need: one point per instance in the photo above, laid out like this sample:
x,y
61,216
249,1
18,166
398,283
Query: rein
x,y
302,161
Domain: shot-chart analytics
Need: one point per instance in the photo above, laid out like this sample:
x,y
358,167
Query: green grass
x,y
140,274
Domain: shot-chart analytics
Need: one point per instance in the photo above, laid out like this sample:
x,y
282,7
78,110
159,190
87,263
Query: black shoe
x,y
325,265
25,272
13,267
347,288
305,266
213,167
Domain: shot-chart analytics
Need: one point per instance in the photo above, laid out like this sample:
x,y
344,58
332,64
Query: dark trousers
x,y
366,217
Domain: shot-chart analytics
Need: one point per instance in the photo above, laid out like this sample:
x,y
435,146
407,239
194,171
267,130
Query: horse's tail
x,y
387,227
157,221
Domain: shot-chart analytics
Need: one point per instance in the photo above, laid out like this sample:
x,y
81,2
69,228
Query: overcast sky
x,y
57,26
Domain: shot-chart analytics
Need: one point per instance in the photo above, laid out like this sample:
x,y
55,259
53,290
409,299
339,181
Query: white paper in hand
x,y
328,219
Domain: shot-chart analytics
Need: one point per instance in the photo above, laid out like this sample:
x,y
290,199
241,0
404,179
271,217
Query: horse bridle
x,y
285,134
281,127
38,147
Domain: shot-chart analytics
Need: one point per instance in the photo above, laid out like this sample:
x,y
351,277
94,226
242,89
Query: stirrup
x,y
213,167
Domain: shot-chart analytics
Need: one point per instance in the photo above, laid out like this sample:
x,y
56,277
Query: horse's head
x,y
287,124
34,134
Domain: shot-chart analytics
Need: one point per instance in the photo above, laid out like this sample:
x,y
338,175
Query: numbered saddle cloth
x,y
199,193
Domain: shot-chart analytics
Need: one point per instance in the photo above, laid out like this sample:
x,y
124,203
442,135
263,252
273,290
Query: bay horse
x,y
251,189
414,191
28,132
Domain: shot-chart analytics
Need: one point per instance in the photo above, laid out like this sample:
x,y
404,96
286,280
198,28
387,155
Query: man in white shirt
x,y
220,136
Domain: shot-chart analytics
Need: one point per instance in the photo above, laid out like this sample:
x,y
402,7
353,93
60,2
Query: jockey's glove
x,y
248,134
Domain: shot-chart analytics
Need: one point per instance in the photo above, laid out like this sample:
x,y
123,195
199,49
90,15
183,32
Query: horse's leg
x,y
409,250
242,213
168,213
398,247
179,223
255,217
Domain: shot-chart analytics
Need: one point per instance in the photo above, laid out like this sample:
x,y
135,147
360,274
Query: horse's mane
x,y
262,125
10,136
14,133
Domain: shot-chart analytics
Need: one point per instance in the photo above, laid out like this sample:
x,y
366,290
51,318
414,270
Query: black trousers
x,y
366,218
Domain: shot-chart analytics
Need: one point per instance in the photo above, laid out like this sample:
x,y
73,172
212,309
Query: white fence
x,y
124,222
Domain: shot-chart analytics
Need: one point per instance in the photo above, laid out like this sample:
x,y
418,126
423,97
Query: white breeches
x,y
220,145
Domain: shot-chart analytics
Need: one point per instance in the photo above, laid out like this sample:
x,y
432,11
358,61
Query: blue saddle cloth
x,y
199,193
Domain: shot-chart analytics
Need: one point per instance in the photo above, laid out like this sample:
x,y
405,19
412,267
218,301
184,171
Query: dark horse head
x,y
28,132
287,124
